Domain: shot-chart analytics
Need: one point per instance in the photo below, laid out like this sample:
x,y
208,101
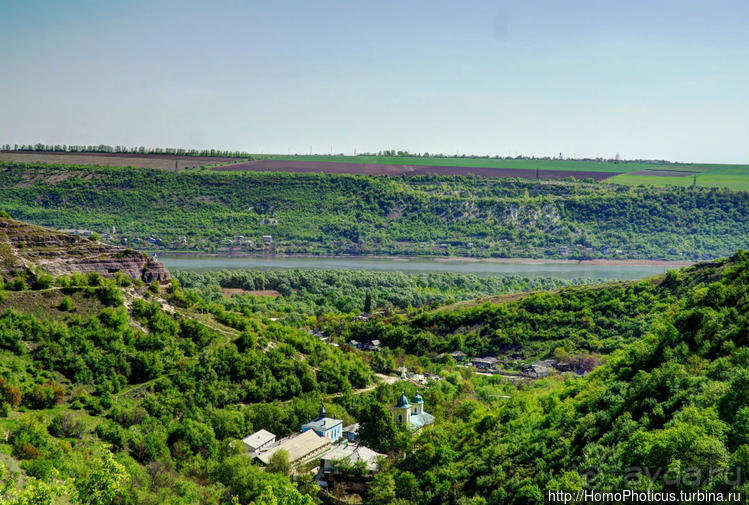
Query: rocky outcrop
x,y
24,246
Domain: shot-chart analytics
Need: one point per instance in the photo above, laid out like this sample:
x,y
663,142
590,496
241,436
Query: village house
x,y
325,426
351,432
485,363
418,378
536,371
300,447
258,440
374,345
349,455
458,355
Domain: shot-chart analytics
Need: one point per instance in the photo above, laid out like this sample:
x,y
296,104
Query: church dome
x,y
402,401
417,398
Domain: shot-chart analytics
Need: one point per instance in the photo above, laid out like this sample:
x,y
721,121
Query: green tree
x,y
376,428
279,463
283,496
368,302
382,489
102,483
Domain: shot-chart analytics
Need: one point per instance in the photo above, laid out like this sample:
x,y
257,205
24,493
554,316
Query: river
x,y
569,270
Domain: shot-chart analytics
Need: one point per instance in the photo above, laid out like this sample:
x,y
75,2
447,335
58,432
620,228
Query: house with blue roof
x,y
325,426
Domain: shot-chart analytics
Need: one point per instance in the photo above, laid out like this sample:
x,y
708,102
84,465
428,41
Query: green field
x,y
545,164
720,176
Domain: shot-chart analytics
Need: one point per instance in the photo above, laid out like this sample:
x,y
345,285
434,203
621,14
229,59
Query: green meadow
x,y
718,176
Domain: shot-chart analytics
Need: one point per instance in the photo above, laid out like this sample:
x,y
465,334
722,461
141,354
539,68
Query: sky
x,y
666,79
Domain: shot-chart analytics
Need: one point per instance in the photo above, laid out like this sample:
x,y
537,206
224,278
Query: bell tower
x,y
418,405
402,416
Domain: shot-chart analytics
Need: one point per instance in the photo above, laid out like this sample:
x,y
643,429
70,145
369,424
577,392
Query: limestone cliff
x,y
24,246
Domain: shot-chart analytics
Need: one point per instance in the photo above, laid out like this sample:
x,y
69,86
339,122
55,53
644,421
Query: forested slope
x,y
310,292
140,392
545,324
92,367
668,413
325,214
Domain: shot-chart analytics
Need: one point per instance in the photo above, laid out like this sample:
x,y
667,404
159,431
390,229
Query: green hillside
x,y
667,413
139,392
335,214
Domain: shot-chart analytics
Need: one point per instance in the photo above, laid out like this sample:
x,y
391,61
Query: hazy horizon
x,y
581,78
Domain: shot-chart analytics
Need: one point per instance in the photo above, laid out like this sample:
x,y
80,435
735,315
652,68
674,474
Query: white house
x,y
258,440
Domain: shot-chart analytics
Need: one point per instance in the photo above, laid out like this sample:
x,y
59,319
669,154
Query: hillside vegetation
x,y
310,292
334,214
667,413
92,366
138,393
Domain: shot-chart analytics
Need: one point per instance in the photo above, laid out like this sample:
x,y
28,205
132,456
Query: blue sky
x,y
652,79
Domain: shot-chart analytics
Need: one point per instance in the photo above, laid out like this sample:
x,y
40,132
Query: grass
x,y
43,303
592,166
719,176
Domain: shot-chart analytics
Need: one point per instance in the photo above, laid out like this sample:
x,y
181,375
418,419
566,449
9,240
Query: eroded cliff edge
x,y
26,246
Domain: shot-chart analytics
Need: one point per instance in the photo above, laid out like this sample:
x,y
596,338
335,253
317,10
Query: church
x,y
411,415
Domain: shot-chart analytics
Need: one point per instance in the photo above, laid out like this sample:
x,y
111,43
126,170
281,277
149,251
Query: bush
x,y
19,284
40,468
112,433
66,305
122,280
44,396
30,440
279,463
42,281
67,425
195,437
109,294
9,394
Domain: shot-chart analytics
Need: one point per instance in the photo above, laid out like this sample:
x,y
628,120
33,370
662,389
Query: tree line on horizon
x,y
119,149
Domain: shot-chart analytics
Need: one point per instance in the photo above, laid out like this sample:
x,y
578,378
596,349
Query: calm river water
x,y
413,265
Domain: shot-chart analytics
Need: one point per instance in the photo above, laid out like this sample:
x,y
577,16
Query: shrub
x,y
9,394
122,280
66,305
110,295
66,424
112,433
19,284
42,280
44,396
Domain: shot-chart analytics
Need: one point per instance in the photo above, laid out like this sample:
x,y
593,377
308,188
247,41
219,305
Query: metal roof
x,y
322,423
258,439
297,446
